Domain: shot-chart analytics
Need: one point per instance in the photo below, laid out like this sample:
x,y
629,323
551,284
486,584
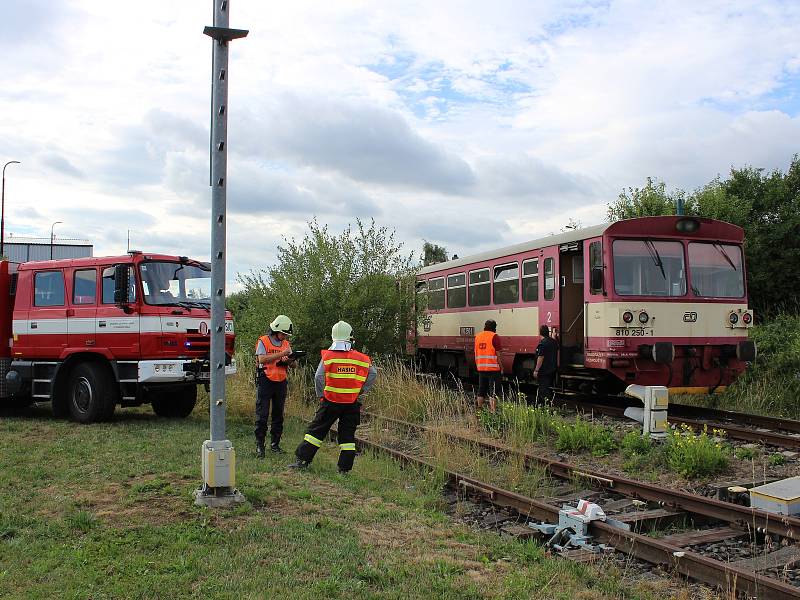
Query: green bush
x,y
634,443
744,453
695,455
776,460
584,435
521,421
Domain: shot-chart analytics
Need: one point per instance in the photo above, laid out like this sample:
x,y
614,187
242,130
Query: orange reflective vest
x,y
345,374
272,370
485,353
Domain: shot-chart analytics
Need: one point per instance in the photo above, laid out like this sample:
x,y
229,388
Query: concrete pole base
x,y
218,497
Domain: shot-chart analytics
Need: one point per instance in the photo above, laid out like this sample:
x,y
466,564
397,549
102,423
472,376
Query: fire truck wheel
x,y
177,403
91,393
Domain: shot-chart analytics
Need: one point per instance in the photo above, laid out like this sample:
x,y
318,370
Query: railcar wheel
x,y
91,393
175,404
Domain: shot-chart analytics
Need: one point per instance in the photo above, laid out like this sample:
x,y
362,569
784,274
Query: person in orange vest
x,y
487,343
272,354
342,376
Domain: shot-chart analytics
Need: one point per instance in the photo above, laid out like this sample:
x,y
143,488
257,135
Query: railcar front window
x,y
716,270
649,268
170,284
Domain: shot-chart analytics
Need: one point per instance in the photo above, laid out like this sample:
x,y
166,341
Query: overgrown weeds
x,y
583,435
695,455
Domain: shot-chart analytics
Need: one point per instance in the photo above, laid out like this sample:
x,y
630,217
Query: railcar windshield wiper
x,y
651,248
721,248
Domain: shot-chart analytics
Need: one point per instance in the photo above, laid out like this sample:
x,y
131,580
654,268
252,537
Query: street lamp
x,y
51,237
3,207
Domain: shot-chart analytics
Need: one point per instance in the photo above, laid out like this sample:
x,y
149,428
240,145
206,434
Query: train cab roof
x,y
662,226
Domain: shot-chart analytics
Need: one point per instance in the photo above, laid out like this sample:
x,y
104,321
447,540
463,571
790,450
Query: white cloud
x,y
471,124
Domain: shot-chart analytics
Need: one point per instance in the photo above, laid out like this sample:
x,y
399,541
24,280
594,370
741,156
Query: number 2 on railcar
x,y
651,301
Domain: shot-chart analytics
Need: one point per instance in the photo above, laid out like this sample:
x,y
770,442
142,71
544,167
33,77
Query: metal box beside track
x,y
780,497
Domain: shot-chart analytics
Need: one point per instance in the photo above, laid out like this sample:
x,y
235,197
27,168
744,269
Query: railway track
x,y
770,431
745,427
725,521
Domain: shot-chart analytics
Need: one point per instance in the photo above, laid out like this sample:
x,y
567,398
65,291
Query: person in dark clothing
x,y
546,364
272,355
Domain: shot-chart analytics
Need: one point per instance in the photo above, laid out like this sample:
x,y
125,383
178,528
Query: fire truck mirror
x,y
121,284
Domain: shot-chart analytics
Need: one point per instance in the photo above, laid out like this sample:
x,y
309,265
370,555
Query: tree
x,y
650,201
433,253
360,276
765,205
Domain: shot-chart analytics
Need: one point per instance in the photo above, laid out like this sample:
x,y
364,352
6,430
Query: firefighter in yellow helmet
x,y
272,355
342,376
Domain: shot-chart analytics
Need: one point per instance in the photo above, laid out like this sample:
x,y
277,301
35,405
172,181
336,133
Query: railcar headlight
x,y
627,316
687,225
747,318
733,318
643,317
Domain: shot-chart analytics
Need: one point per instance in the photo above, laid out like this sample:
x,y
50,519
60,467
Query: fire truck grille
x,y
197,345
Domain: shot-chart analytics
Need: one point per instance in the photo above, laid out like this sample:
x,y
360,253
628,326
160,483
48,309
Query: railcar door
x,y
549,294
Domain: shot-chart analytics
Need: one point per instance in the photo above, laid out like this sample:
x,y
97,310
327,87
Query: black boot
x,y
300,464
259,449
276,448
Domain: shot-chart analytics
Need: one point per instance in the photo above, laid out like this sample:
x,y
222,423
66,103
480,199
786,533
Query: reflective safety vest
x,y
485,354
272,370
345,374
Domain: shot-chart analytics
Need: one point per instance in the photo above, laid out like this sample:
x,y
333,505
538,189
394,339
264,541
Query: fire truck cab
x,y
91,333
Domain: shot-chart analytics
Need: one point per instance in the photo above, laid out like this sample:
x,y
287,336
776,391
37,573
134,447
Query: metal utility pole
x,y
3,208
218,455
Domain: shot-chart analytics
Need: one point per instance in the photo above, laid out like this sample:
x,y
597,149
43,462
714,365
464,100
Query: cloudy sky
x,y
469,124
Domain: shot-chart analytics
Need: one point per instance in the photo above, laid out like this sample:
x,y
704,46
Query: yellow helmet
x,y
282,323
342,332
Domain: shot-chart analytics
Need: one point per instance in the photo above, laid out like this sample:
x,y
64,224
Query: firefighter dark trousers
x,y
269,394
545,391
349,416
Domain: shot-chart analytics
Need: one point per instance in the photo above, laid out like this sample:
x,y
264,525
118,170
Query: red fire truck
x,y
87,334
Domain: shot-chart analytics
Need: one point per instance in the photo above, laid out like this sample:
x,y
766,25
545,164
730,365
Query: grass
x,y
696,455
772,384
105,511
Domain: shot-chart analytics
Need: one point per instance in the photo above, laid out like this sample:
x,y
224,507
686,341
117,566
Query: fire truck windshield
x,y
176,284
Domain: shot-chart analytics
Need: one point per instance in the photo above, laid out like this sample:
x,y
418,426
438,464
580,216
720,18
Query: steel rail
x,y
741,516
700,412
696,566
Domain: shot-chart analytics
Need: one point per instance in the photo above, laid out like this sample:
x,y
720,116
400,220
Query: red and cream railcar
x,y
652,300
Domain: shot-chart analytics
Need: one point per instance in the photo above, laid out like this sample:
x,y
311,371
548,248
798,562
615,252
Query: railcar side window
x,y
595,262
84,287
649,268
506,284
436,293
479,292
48,288
530,280
716,270
457,291
549,279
